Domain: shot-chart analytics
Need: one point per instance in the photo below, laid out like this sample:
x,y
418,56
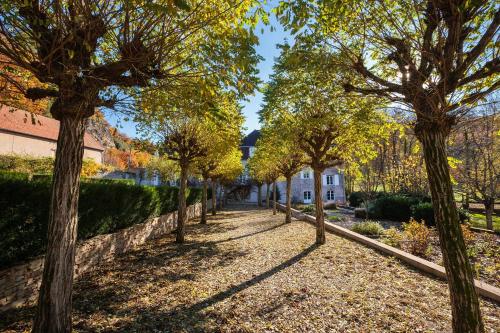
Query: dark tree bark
x,y
320,218
55,297
288,214
274,198
259,195
489,205
181,212
464,301
203,219
214,198
268,204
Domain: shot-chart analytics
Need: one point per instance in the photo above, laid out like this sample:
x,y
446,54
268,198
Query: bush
x,y
308,209
103,208
356,199
392,237
369,228
109,181
416,238
394,207
330,205
424,211
360,213
14,175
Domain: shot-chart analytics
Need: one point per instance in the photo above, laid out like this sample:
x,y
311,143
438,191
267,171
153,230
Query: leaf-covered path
x,y
246,271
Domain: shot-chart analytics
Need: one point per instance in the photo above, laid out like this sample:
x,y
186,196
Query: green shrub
x,y
356,199
308,209
424,212
369,228
103,208
109,181
14,175
394,207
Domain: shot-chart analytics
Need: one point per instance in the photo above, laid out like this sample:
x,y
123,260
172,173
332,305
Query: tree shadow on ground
x,y
196,317
129,271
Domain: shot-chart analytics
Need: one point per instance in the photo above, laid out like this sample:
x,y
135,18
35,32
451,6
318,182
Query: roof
x,y
23,122
251,139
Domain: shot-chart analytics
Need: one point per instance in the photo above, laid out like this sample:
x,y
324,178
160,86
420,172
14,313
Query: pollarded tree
x,y
435,57
223,137
328,127
183,143
228,170
288,159
91,53
264,167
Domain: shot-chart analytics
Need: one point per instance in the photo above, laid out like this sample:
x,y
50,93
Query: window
x,y
306,174
329,180
307,195
330,195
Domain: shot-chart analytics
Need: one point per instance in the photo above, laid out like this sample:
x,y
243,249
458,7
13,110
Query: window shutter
x,y
336,180
324,179
302,175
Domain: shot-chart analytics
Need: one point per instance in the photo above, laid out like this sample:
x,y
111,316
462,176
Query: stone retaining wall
x,y
19,284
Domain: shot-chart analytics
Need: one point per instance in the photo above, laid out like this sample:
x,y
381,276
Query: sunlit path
x,y
246,271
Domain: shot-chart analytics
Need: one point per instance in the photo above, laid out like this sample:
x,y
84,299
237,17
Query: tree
x,y
166,168
224,136
288,159
263,167
477,144
86,51
329,128
228,170
435,57
14,82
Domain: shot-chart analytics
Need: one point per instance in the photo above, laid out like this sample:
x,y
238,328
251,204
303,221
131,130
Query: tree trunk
x,y
259,195
203,219
268,205
214,198
464,301
181,212
320,218
274,198
55,297
288,214
221,197
489,205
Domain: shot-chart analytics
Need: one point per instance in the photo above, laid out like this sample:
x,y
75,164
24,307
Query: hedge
x,y
401,207
424,211
396,207
104,207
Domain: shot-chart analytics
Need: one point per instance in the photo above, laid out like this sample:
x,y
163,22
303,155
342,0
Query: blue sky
x,y
266,48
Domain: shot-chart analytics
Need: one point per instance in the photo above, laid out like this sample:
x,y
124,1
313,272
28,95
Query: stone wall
x,y
19,284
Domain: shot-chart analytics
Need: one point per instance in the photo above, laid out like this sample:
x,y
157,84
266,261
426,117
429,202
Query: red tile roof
x,y
20,121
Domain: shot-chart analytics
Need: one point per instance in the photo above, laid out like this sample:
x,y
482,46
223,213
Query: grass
x,y
479,221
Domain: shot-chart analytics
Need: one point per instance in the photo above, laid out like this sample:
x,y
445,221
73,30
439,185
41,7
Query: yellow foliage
x,y
416,237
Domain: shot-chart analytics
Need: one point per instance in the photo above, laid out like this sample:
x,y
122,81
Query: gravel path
x,y
248,272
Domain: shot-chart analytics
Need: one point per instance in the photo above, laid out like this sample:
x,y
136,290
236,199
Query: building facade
x,y
22,133
332,180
